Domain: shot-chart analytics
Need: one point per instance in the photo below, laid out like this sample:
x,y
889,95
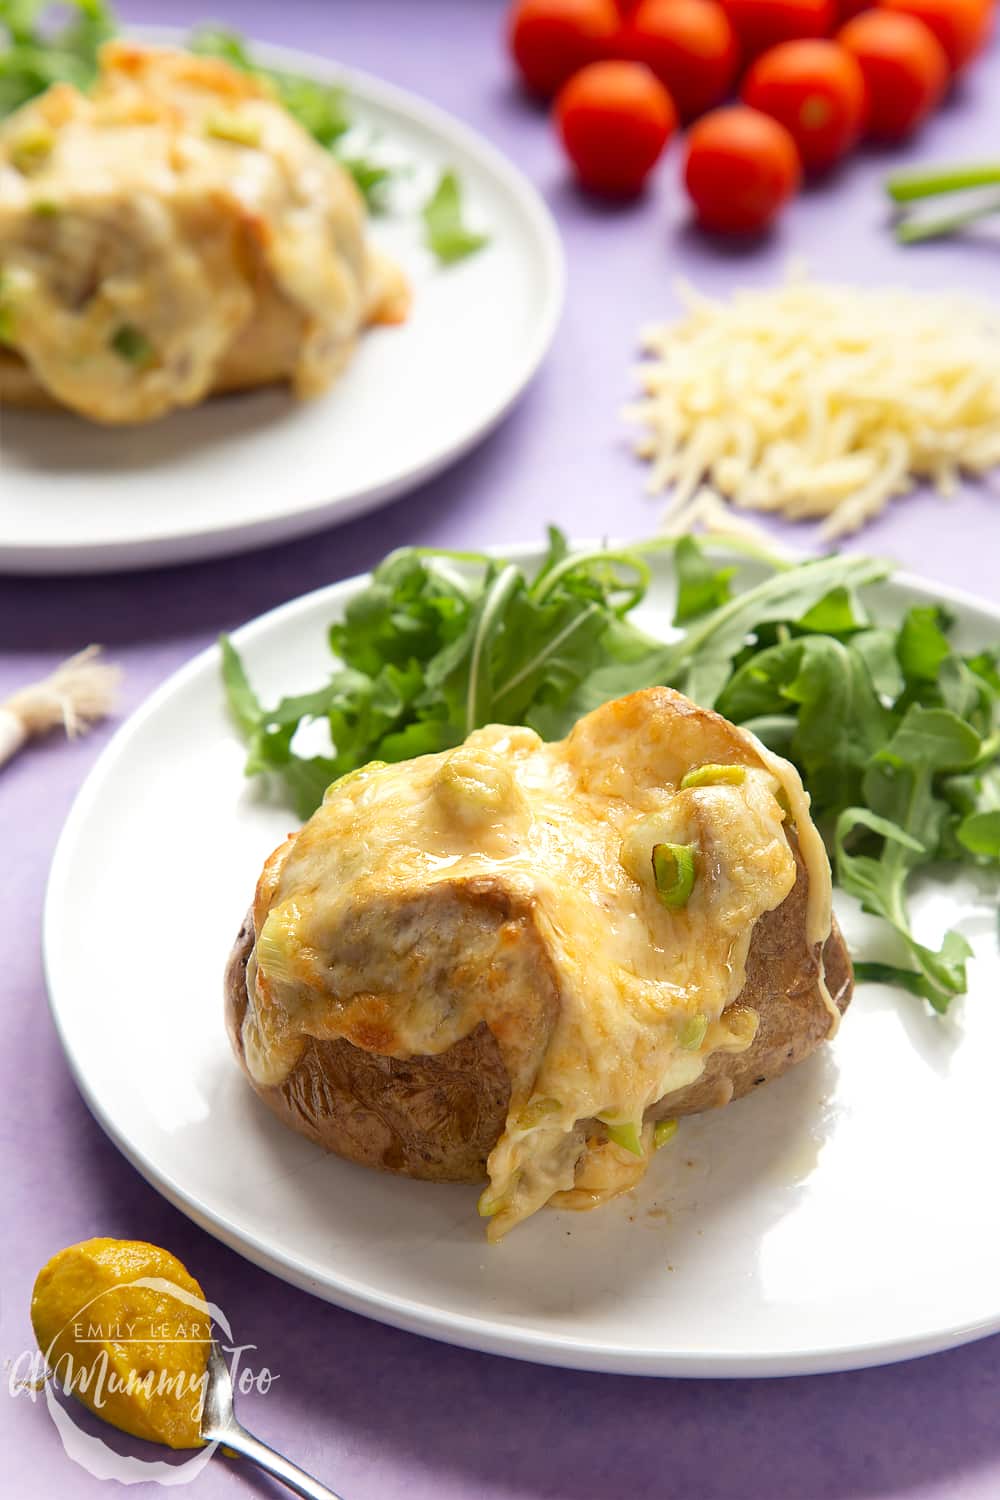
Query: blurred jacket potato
x,y
172,234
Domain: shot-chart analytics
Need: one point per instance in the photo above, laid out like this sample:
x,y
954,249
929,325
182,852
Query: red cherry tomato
x,y
741,169
691,47
904,66
817,90
760,24
551,39
614,119
961,26
847,9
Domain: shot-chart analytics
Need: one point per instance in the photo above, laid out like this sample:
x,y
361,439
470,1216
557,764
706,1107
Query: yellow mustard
x,y
117,1331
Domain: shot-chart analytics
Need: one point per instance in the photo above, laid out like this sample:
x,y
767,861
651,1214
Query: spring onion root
x,y
79,693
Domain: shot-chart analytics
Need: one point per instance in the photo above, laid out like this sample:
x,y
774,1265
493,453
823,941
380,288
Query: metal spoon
x,y
219,1425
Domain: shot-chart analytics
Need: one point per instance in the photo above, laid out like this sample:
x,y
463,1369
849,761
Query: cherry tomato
x,y
961,26
817,90
905,69
614,119
760,24
847,9
551,39
691,47
741,169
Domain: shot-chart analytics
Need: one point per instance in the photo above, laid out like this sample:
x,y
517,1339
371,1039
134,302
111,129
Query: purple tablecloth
x,y
376,1412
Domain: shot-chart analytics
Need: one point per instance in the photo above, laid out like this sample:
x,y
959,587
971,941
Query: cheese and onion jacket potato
x,y
513,958
171,234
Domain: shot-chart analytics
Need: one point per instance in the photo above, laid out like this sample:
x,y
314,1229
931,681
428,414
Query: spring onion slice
x,y
673,873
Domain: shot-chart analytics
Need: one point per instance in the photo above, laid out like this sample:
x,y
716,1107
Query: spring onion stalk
x,y
77,695
30,150
664,1132
912,231
341,781
236,129
710,775
692,1033
275,950
907,187
537,1112
918,185
673,873
130,343
624,1134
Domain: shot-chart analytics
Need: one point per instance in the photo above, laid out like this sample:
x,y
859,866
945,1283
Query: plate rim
x,y
483,1334
166,547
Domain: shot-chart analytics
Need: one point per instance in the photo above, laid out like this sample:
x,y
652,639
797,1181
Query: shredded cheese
x,y
817,401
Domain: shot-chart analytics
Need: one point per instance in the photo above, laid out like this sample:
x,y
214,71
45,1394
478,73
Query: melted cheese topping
x,y
511,881
181,203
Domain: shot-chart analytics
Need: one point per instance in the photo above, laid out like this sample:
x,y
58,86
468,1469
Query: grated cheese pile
x,y
817,401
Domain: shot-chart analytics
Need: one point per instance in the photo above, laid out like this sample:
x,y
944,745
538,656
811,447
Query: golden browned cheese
x,y
113,1320
511,883
174,233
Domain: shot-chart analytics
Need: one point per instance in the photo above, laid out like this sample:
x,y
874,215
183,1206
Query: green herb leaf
x,y
840,724
40,51
877,649
931,738
837,613
980,834
240,696
906,979
371,177
701,663
879,882
923,647
702,584
447,236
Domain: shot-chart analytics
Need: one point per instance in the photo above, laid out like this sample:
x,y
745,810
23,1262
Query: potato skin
x,y
439,1117
782,985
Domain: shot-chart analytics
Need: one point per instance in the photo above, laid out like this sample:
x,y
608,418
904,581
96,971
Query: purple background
x,y
375,1412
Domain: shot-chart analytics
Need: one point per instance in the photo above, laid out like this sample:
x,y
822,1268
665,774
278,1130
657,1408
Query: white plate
x,y
846,1215
246,470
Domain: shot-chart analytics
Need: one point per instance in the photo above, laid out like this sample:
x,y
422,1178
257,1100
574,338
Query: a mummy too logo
x,y
136,1354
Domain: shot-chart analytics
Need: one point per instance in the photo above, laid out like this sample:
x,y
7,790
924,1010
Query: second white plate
x,y
242,471
843,1216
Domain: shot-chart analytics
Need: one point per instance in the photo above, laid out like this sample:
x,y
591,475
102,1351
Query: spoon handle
x,y
275,1464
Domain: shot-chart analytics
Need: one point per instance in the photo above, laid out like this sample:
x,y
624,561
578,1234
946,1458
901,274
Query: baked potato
x,y
173,234
513,959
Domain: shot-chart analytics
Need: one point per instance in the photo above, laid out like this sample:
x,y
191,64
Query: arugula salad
x,y
895,732
43,43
